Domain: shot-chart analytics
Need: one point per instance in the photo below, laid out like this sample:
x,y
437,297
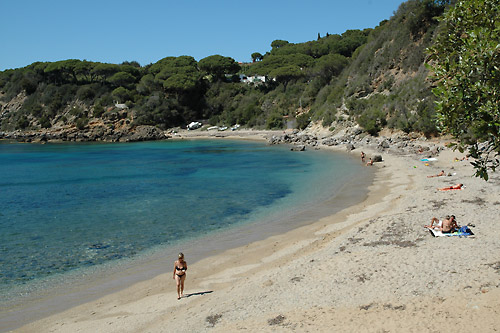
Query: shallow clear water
x,y
67,206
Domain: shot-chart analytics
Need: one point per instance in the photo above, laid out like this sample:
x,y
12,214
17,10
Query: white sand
x,y
369,268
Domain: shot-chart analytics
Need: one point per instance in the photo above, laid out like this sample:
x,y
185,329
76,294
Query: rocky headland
x,y
97,132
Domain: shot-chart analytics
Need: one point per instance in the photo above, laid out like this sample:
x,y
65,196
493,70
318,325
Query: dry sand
x,y
369,268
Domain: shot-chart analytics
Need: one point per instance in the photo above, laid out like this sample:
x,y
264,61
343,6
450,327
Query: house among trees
x,y
252,79
121,106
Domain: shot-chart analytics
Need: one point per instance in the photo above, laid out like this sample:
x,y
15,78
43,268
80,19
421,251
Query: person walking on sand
x,y
363,157
180,267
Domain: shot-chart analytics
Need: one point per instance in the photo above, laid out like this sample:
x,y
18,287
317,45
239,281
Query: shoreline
x,y
107,280
369,267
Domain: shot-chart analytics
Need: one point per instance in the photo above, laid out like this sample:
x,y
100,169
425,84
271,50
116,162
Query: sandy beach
x,y
372,267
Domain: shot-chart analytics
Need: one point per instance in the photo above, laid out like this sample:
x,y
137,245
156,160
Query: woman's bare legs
x,y
179,280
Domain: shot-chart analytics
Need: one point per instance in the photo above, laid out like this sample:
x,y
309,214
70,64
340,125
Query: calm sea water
x,y
64,207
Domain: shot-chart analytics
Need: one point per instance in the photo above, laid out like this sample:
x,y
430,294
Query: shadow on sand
x,y
201,293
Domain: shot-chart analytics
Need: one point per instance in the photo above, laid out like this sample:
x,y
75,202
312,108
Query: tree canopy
x,y
256,56
218,65
465,61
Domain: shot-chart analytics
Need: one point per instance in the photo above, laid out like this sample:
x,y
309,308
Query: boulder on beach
x,y
298,148
146,133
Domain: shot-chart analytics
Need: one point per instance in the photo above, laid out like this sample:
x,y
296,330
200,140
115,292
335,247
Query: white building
x,y
253,79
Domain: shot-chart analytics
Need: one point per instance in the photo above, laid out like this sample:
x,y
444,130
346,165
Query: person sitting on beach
x,y
370,162
453,187
447,225
438,175
180,267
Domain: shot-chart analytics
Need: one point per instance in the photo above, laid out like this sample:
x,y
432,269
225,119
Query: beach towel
x,y
462,232
429,159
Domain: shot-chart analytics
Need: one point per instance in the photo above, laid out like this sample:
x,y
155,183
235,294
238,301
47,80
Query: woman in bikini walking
x,y
180,267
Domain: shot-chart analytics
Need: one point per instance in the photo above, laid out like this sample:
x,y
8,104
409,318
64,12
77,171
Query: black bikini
x,y
183,269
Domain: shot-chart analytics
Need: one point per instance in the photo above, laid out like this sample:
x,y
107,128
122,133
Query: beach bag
x,y
465,230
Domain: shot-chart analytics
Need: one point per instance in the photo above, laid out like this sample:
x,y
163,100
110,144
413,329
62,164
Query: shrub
x,y
85,93
29,86
22,122
303,121
45,121
274,121
36,110
329,117
81,123
372,121
98,111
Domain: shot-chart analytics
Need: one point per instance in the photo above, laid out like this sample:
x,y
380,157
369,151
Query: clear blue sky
x,y
146,31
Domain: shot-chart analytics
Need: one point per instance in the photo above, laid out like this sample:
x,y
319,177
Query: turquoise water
x,y
65,207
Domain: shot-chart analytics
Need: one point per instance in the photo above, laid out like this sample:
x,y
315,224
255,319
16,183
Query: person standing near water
x,y
180,267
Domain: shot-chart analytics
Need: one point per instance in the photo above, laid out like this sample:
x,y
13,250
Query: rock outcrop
x,y
91,133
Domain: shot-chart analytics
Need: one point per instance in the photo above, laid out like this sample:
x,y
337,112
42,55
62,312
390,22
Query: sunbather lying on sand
x,y
438,175
454,187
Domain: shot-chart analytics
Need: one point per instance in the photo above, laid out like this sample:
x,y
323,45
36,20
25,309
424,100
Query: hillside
x,y
374,77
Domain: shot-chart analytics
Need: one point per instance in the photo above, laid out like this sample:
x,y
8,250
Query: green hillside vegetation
x,y
375,77
386,81
465,63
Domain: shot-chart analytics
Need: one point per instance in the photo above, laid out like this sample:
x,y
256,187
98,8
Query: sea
x,y
81,219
